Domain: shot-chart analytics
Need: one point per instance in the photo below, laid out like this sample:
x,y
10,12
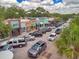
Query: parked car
x,y
52,37
29,38
6,54
32,33
37,49
6,47
59,23
36,34
43,30
48,29
17,42
58,31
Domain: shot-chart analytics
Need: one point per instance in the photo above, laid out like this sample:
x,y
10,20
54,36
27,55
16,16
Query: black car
x,y
36,34
32,33
59,24
58,31
37,48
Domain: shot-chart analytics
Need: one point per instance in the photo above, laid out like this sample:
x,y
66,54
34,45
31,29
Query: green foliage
x,y
68,43
38,12
2,13
4,30
14,12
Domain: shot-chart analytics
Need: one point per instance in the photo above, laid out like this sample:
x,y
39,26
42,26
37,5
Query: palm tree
x,y
68,43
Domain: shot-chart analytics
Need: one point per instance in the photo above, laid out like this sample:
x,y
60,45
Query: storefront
x,y
33,24
23,25
15,24
41,22
28,25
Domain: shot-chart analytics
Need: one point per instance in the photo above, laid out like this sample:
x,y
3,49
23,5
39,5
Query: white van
x,y
17,42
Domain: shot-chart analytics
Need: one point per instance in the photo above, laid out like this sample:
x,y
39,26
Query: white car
x,y
17,42
6,55
29,38
52,37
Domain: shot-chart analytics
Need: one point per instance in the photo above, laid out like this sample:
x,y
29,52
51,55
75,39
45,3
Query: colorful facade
x,y
15,24
28,24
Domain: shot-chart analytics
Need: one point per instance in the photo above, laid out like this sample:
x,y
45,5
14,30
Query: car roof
x,y
40,42
6,54
16,39
53,34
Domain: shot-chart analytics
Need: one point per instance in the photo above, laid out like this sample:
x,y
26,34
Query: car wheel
x,y
40,35
37,55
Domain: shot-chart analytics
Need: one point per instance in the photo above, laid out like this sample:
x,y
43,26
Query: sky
x,y
68,6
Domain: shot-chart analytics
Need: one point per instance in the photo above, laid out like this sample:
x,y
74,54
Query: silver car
x,y
29,38
37,48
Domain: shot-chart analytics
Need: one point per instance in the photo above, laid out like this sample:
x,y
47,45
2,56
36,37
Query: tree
x,y
14,12
31,13
4,30
2,13
68,43
38,12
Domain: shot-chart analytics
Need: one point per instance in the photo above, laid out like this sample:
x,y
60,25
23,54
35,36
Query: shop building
x,y
30,24
16,27
41,22
23,25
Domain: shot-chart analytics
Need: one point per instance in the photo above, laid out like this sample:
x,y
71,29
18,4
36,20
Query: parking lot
x,y
21,53
49,53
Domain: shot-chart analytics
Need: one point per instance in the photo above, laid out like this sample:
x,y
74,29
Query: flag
x,y
29,0
22,0
19,1
57,1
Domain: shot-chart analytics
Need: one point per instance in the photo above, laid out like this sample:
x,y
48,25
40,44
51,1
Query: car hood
x,y
33,51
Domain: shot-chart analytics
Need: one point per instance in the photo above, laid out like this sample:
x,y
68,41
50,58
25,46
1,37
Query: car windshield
x,y
5,47
58,29
35,47
52,35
